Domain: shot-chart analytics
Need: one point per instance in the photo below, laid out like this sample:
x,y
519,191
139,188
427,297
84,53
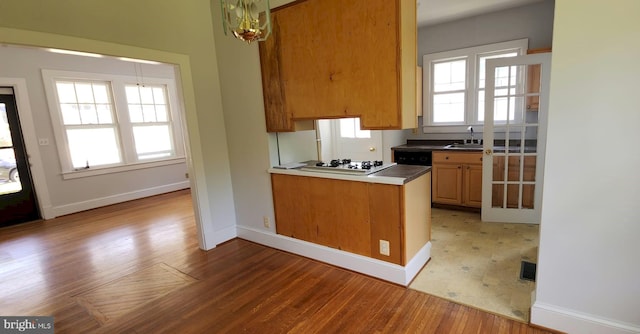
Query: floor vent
x,y
528,271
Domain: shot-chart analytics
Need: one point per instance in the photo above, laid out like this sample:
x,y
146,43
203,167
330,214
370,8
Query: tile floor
x,y
478,264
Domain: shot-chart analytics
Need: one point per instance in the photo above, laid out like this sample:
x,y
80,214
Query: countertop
x,y
395,175
441,145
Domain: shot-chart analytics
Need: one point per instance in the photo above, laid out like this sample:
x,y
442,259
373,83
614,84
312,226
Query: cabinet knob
x,y
446,158
372,149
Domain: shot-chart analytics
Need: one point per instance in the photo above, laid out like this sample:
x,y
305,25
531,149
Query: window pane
x,y
133,96
448,108
70,114
104,114
482,62
449,76
100,93
481,105
84,93
149,113
88,114
347,128
502,107
158,95
93,146
161,113
66,92
135,113
146,95
152,141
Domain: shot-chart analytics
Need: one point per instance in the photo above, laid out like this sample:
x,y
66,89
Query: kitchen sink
x,y
463,146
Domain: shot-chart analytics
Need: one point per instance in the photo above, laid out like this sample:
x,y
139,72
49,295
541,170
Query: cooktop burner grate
x,y
347,166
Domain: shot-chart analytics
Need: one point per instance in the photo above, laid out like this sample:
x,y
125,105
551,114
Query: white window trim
x,y
118,82
472,56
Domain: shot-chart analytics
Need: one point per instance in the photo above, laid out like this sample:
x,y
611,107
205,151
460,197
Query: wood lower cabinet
x,y
338,59
354,216
472,185
457,178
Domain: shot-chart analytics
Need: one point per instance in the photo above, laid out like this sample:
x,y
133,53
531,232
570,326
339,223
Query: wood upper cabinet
x,y
336,58
533,81
457,178
354,216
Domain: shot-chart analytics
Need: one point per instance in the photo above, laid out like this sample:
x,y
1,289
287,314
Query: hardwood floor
x,y
136,268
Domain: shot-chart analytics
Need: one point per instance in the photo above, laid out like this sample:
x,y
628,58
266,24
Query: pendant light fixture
x,y
248,20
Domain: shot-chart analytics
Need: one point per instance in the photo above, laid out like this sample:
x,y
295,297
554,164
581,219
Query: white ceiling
x,y
438,11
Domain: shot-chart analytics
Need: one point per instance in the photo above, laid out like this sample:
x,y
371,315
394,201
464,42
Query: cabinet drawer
x,y
457,157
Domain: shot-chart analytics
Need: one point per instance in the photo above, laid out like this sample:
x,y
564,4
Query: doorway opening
x,y
477,259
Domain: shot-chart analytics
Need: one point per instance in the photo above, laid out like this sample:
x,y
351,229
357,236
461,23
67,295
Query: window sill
x,y
118,169
451,128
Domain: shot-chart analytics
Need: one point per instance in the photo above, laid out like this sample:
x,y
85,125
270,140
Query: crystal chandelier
x,y
248,20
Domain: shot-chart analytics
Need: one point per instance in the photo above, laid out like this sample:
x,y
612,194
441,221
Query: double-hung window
x,y
149,116
89,122
454,85
111,123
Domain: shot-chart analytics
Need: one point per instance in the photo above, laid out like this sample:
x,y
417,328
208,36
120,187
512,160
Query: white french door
x,y
515,122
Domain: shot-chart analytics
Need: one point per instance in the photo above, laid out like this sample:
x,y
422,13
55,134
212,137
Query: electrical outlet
x,y
43,141
266,221
384,247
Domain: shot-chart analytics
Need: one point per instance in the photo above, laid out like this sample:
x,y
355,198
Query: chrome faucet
x,y
470,129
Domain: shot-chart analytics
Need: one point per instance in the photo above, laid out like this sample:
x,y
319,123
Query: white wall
x,y
251,149
588,273
67,196
533,21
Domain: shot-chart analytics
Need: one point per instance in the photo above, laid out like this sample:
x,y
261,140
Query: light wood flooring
x,y
136,268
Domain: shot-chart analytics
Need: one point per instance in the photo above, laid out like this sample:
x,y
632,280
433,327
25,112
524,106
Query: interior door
x,y
516,102
17,199
353,143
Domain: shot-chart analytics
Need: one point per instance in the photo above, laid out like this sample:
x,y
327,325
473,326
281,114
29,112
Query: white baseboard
x,y
56,211
225,234
414,266
358,263
568,321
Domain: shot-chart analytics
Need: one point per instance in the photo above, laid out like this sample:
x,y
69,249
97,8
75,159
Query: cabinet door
x,y
447,183
386,221
324,218
325,75
292,207
351,206
472,186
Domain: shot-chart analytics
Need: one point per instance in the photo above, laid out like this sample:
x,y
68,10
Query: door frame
x,y
30,139
531,216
